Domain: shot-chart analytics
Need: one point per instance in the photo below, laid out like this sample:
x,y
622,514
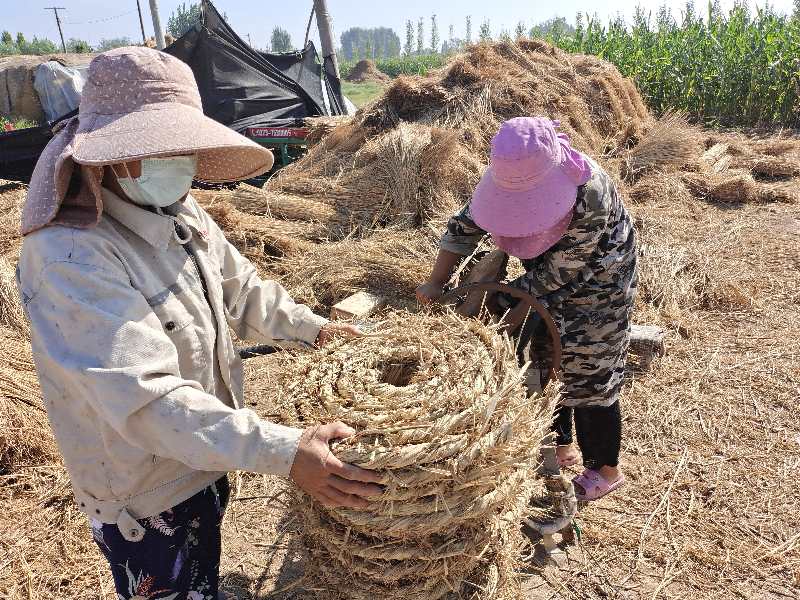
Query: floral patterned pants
x,y
178,558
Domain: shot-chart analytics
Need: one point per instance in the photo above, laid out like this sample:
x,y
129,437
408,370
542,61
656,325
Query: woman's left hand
x,y
332,330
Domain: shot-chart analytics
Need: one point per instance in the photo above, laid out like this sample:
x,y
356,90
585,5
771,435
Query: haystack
x,y
418,151
365,71
19,98
443,416
411,158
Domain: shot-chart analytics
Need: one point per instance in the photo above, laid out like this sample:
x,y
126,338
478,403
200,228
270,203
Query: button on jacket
x,y
130,326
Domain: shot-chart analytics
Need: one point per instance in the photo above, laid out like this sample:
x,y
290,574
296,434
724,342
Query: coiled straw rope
x,y
442,414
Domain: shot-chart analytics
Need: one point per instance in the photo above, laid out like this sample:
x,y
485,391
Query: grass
x,y
362,93
402,65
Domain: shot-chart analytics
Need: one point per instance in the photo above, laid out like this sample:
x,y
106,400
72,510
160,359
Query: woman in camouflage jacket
x,y
559,212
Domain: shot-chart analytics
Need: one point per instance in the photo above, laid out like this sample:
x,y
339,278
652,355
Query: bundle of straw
x,y
443,415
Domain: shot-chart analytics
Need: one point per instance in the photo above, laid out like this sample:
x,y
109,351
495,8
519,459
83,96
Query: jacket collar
x,y
157,230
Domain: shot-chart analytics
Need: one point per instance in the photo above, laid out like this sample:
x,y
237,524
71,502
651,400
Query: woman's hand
x,y
331,330
429,292
328,480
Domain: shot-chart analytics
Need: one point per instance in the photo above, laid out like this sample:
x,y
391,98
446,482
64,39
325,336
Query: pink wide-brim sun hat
x,y
531,184
141,103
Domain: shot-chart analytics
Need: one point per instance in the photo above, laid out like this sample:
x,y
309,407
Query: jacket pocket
x,y
179,325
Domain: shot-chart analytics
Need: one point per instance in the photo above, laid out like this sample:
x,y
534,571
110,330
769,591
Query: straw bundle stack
x,y
390,263
442,414
418,151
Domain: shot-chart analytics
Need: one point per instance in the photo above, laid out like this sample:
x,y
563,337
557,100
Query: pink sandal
x,y
594,485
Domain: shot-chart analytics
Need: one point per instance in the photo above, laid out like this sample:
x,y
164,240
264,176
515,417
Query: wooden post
x,y
329,59
160,44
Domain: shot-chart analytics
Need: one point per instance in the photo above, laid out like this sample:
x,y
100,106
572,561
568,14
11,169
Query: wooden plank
x,y
357,306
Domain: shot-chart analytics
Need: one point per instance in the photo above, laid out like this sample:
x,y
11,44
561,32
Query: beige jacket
x,y
141,381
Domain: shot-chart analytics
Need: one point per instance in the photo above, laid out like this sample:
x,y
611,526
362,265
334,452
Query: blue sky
x,y
94,20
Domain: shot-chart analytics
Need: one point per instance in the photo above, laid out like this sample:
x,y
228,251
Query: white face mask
x,y
163,182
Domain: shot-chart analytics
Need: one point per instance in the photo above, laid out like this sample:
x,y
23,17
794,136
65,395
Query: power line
x,y
125,14
55,10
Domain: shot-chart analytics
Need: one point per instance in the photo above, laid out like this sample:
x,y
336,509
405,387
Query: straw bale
x,y
11,313
443,416
258,201
780,191
388,263
660,187
12,198
730,186
669,144
25,436
417,152
260,236
319,127
766,165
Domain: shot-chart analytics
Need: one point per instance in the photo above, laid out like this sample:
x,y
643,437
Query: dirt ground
x,y
711,445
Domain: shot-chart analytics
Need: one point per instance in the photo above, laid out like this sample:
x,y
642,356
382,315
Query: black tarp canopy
x,y
242,87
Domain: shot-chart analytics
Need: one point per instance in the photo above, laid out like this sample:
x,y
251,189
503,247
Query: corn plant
x,y
735,69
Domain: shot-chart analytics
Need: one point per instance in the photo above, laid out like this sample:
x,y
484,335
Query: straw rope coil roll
x,y
442,413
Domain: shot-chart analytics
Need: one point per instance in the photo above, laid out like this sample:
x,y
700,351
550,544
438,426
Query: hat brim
x,y
170,129
523,213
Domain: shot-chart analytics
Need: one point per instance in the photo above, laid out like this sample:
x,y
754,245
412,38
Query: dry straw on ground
x,y
442,414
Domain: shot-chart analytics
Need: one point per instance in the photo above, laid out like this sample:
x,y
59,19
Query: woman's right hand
x,y
320,474
429,292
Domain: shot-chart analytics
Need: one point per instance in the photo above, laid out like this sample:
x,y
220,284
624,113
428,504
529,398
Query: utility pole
x,y
326,38
141,22
160,44
55,10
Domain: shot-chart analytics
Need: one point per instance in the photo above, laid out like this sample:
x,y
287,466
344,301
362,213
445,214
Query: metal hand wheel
x,y
476,294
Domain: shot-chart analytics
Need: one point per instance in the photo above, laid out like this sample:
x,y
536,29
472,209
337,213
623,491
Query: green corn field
x,y
735,69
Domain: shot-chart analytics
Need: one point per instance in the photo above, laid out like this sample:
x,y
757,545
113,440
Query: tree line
x,y
181,20
423,37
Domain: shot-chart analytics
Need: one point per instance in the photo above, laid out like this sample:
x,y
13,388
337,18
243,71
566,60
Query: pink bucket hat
x,y
526,196
137,103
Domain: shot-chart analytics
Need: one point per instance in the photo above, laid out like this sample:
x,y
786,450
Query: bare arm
x,y
460,239
432,289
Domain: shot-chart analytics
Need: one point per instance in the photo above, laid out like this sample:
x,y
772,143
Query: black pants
x,y
598,429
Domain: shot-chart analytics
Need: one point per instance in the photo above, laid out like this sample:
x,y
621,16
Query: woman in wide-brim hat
x,y
557,210
132,292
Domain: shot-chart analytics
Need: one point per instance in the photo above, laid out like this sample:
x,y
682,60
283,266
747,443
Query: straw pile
x,y
365,71
412,157
418,151
443,415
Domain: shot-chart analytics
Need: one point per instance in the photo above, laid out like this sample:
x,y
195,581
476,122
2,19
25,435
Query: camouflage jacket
x,y
597,251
